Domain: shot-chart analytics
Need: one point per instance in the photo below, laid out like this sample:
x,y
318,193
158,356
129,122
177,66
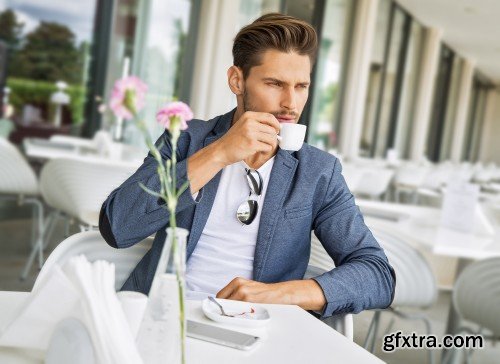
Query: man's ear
x,y
235,80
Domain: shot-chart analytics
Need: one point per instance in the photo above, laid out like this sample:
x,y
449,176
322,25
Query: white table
x,y
421,225
292,336
47,149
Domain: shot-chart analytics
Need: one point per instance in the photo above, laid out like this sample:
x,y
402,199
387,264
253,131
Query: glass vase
x,y
162,335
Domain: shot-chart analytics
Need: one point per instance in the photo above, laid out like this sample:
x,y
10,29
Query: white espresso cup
x,y
291,136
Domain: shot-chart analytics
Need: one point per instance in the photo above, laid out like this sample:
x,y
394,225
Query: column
x,y
462,111
211,95
425,91
358,69
489,149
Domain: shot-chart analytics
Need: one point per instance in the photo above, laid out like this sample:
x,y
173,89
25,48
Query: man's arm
x,y
363,278
129,214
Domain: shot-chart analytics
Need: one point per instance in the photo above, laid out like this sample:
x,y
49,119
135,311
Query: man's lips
x,y
285,119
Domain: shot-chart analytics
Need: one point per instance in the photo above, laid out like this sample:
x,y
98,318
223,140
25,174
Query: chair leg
x,y
37,250
34,225
428,326
389,326
424,319
371,335
49,228
454,355
66,228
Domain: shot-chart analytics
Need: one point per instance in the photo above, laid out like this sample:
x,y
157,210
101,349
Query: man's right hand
x,y
252,133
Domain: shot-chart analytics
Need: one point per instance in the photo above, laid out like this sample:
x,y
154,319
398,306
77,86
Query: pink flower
x,y
127,98
178,110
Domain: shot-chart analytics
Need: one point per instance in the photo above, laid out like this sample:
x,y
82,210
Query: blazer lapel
x,y
279,183
203,208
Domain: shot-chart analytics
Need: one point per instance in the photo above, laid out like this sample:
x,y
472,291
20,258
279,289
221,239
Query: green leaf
x,y
183,188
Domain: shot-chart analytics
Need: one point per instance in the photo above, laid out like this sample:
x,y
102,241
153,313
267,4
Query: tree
x,y
49,54
10,28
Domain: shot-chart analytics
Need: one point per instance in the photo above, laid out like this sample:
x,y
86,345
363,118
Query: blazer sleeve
x,y
130,214
363,278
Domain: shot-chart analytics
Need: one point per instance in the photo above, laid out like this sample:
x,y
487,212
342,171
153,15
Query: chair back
x,y
374,182
411,175
79,187
94,247
16,175
415,282
476,294
352,175
319,257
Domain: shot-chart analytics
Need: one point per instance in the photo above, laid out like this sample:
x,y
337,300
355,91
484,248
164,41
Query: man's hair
x,y
273,31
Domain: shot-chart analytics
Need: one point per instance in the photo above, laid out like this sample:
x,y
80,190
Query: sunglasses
x,y
248,209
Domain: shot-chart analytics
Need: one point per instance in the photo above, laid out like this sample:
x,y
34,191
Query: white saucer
x,y
259,317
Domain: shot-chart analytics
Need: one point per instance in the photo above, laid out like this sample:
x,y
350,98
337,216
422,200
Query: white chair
x,y
94,247
375,182
319,263
18,181
415,285
78,187
476,299
352,175
408,178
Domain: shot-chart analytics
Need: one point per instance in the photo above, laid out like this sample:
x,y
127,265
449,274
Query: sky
x,y
77,15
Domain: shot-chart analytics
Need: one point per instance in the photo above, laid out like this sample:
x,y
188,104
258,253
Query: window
x,y
325,95
46,42
392,82
475,120
451,107
153,36
439,106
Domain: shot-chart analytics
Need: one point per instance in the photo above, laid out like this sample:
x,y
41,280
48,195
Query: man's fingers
x,y
269,139
264,128
226,291
265,118
229,288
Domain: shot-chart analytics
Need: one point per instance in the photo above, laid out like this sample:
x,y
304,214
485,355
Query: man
x,y
264,258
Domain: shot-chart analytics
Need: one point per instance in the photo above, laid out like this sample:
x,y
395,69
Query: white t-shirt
x,y
226,247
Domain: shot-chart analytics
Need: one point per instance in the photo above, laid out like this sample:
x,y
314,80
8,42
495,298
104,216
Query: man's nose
x,y
289,98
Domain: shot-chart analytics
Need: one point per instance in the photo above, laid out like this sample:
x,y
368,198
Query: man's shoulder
x,y
200,126
316,158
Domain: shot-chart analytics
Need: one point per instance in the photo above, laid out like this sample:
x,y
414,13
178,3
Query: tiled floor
x,y
15,235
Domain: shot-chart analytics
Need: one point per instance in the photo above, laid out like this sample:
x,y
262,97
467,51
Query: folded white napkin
x,y
82,290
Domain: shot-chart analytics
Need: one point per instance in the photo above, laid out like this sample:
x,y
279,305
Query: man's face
x,y
279,85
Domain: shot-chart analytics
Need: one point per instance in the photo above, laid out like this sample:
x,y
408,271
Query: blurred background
x,y
405,92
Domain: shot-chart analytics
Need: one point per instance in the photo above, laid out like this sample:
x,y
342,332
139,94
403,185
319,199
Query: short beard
x,y
247,106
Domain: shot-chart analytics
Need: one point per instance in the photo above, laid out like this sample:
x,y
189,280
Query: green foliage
x,y
48,54
38,93
10,28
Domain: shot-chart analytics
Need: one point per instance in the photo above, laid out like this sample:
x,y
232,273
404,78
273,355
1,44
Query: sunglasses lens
x,y
247,211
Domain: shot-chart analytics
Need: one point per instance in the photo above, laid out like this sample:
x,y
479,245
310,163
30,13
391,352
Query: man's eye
x,y
304,86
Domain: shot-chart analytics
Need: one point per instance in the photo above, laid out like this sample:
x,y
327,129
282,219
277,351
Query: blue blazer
x,y
306,191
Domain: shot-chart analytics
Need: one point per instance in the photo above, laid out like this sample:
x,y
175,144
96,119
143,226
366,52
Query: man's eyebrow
x,y
272,79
